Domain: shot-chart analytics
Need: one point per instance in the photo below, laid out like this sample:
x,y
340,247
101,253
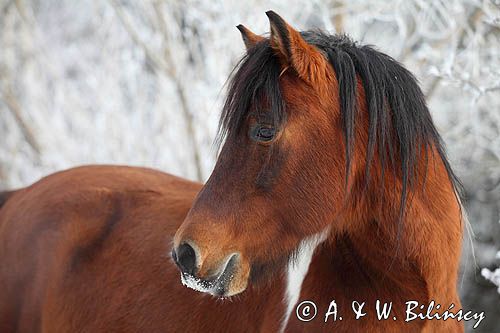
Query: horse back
x,y
88,235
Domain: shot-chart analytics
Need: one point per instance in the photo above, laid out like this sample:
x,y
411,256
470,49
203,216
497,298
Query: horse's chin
x,y
232,279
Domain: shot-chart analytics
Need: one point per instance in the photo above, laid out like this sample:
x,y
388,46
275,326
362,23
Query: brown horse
x,y
331,185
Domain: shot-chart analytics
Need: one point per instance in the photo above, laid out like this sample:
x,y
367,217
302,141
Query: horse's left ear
x,y
306,59
249,38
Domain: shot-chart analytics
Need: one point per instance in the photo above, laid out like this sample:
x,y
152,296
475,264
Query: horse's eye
x,y
262,133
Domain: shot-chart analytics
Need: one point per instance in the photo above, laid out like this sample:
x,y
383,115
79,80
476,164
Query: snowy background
x,y
141,83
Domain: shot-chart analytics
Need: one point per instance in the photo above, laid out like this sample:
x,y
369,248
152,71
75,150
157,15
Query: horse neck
x,y
423,249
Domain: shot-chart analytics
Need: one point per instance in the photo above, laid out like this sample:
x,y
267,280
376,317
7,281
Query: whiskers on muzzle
x,y
218,285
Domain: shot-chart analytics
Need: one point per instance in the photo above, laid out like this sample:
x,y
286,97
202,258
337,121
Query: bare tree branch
x,y
5,6
8,97
12,104
166,65
475,17
337,18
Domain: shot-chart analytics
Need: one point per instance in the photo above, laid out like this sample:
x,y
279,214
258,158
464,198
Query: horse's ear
x,y
306,59
249,38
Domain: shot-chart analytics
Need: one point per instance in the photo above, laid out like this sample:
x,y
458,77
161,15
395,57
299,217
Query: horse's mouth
x,y
219,285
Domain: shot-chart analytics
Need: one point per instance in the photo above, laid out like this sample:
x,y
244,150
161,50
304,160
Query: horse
x,y
331,187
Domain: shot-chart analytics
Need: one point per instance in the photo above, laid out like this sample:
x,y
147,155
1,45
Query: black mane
x,y
400,125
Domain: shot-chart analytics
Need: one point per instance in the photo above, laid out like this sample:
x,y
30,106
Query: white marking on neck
x,y
297,269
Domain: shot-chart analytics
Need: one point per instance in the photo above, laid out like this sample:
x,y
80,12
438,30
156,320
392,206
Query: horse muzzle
x,y
224,277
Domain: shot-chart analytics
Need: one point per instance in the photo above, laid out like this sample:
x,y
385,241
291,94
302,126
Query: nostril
x,y
185,258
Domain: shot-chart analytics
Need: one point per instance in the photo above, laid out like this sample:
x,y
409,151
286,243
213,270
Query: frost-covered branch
x,y
493,276
165,64
10,101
